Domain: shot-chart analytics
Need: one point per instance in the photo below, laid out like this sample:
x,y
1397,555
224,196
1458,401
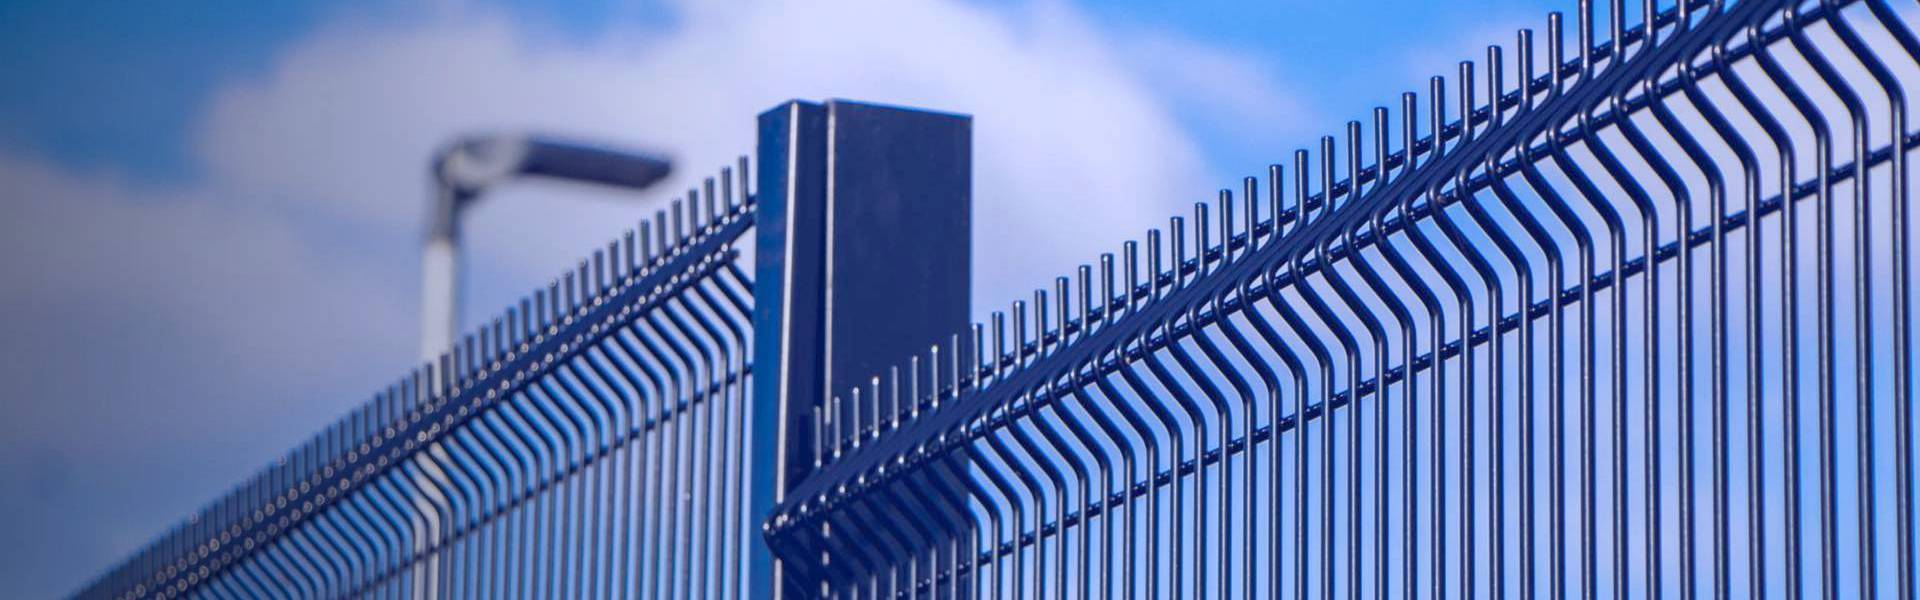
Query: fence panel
x,y
1636,322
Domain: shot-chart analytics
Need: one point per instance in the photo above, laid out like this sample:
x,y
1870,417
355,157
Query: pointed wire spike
x,y
613,270
1353,161
536,320
397,403
713,206
1060,319
1249,192
1300,170
1326,176
746,192
1523,59
408,396
1409,138
727,198
646,246
1649,25
632,265
693,212
1380,150
1585,35
999,343
1084,277
517,322
955,356
854,420
438,375
434,374
437,381
600,270
379,411
1464,94
1202,237
384,413
680,218
873,398
500,333
913,382
338,439
1130,253
1226,224
466,359
1041,324
1616,24
422,388
463,358
819,437
933,372
663,241
1276,180
1437,115
1556,57
484,354
567,291
839,439
1496,89
585,282
1020,327
1177,245
1106,289
322,447
969,353
962,364
1154,262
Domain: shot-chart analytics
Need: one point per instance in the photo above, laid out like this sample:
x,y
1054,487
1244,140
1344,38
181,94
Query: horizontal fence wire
x,y
1639,325
589,443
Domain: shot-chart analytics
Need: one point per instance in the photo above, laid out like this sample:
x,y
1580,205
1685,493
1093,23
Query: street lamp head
x,y
463,170
472,164
475,163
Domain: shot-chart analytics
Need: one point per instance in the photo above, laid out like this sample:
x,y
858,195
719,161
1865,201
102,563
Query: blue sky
x,y
115,85
209,212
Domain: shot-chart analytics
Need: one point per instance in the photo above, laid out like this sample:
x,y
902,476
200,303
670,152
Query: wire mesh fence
x,y
1626,314
1633,320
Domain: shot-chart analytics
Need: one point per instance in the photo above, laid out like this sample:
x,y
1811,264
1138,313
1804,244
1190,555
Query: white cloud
x,y
1073,129
198,330
1237,92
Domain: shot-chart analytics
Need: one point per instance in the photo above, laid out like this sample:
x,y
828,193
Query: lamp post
x,y
465,169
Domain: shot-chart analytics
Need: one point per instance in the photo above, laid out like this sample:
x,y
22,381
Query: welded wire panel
x,y
588,443
1637,324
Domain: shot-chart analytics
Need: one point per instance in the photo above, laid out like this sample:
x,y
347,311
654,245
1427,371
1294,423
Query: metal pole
x,y
863,249
440,275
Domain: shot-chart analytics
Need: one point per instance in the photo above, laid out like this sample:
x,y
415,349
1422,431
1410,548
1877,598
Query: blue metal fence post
x,y
863,259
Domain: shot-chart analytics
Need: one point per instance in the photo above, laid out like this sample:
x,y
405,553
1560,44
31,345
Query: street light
x,y
465,169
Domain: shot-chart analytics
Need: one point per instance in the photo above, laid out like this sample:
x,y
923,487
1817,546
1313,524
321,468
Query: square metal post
x,y
862,260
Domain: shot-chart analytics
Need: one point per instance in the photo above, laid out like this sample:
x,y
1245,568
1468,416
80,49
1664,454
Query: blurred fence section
x,y
1615,316
587,443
